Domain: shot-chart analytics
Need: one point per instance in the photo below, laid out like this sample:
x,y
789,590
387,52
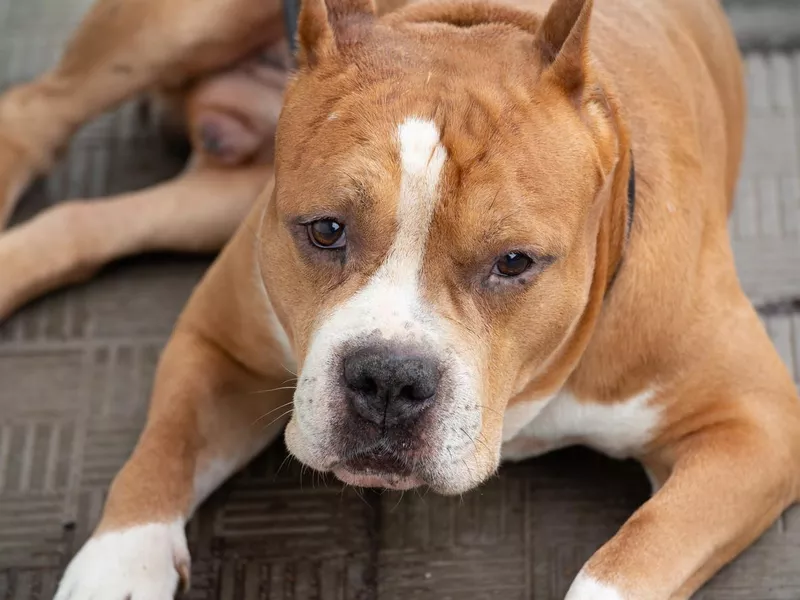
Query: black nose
x,y
389,385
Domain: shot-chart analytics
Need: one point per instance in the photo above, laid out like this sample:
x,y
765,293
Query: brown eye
x,y
327,234
512,264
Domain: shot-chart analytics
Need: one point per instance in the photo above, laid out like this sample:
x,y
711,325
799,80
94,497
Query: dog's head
x,y
432,243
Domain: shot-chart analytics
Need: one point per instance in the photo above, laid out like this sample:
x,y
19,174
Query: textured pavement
x,y
76,369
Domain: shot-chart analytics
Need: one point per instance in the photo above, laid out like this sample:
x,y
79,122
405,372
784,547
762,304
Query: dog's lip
x,y
391,481
377,469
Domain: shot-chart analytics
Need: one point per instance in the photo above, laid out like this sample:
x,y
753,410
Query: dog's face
x,y
430,244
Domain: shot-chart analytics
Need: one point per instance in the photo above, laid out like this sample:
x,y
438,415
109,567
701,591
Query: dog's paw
x,y
586,587
145,562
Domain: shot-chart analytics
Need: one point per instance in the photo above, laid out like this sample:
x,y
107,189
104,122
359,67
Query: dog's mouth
x,y
379,469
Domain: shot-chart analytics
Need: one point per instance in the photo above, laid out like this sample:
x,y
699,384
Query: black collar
x,y
628,222
631,201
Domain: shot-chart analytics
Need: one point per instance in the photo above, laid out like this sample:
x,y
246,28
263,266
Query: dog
x,y
494,229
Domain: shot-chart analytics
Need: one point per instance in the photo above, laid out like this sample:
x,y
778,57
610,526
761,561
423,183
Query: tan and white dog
x,y
450,258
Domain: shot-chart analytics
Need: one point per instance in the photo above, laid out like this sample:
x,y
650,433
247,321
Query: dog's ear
x,y
562,42
329,26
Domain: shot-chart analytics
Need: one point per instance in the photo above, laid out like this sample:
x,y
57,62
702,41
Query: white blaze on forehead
x,y
422,158
421,152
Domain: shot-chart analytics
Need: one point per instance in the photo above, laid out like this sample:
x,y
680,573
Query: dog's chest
x,y
619,430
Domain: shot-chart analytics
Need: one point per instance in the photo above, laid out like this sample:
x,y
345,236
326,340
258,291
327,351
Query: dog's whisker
x,y
303,469
276,419
288,370
402,493
360,494
268,413
283,463
277,389
492,409
466,433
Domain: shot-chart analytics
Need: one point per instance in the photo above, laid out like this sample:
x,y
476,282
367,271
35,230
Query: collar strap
x,y
291,16
631,212
631,201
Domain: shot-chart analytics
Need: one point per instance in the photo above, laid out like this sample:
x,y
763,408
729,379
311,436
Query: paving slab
x,y
765,226
76,370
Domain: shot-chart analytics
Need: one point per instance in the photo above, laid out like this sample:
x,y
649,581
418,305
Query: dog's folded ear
x,y
562,42
328,26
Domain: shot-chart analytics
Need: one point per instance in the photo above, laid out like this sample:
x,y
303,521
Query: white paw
x,y
145,562
586,587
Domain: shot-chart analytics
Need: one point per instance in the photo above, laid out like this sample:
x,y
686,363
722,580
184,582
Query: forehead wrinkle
x,y
359,194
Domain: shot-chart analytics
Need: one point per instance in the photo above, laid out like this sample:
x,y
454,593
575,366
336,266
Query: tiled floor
x,y
75,371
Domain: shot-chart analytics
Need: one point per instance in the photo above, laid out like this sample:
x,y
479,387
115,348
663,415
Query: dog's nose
x,y
390,386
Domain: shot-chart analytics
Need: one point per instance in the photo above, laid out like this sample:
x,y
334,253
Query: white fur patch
x,y
521,414
619,430
138,562
587,588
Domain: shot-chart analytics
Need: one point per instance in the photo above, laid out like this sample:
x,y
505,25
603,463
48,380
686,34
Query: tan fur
x,y
538,115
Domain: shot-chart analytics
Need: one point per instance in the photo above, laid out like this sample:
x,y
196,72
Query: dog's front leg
x,y
726,486
222,391
208,416
122,47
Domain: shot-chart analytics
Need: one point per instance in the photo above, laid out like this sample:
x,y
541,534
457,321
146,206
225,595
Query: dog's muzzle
x,y
389,391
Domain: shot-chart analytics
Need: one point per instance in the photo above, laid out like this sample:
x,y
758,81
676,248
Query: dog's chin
x,y
394,470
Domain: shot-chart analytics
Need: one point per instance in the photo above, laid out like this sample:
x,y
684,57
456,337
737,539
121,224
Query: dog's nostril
x,y
409,392
364,384
423,387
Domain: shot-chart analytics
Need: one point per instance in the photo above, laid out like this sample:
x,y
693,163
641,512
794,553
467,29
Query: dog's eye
x,y
512,264
327,234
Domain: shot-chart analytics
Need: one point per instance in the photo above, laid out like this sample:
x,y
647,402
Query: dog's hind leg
x,y
123,47
196,212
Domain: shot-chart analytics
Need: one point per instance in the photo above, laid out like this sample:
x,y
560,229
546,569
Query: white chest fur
x,y
619,430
